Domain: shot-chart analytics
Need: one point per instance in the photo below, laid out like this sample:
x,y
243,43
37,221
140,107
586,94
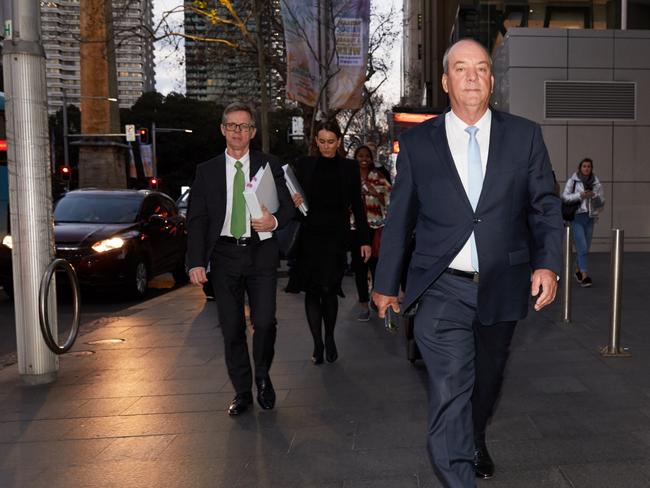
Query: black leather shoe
x,y
240,403
265,393
317,356
483,464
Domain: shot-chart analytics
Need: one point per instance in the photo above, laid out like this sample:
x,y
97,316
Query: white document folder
x,y
261,191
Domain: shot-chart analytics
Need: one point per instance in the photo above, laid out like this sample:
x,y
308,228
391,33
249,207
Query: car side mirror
x,y
157,220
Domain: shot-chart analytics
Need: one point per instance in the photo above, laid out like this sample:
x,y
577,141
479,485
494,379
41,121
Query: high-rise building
x,y
223,72
133,45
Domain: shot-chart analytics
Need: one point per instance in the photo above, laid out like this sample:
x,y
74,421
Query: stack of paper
x,y
294,187
261,191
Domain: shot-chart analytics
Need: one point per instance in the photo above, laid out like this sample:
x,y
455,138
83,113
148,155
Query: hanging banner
x,y
300,20
351,39
348,39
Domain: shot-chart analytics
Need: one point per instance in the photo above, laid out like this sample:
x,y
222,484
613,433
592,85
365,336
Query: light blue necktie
x,y
474,181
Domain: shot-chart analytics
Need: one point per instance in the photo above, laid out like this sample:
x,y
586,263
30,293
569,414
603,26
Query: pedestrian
x,y
584,187
478,240
332,187
222,234
375,191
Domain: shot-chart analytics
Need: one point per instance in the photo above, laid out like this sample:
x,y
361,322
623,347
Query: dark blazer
x,y
350,182
207,207
517,223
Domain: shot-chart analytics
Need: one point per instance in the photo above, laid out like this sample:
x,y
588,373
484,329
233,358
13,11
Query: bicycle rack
x,y
43,311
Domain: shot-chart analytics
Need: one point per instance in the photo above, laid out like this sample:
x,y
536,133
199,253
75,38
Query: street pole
x,y
30,189
66,150
154,161
264,92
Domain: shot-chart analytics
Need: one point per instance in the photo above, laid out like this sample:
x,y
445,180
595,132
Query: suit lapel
x,y
494,158
255,163
441,146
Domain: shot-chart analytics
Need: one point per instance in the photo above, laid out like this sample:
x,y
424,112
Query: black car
x,y
115,238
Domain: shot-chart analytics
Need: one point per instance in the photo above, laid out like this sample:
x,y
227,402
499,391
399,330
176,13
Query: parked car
x,y
114,238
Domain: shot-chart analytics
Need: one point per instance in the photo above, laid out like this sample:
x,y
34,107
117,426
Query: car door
x,y
154,232
175,233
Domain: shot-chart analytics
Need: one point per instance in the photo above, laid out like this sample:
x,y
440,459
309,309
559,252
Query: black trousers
x,y
360,268
465,362
236,271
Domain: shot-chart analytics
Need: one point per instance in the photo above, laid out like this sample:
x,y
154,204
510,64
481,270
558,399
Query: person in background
x,y
375,190
222,233
584,186
332,187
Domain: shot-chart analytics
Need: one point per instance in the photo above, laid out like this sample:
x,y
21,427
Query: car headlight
x,y
108,244
7,241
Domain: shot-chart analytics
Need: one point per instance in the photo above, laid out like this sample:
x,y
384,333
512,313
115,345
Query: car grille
x,y
70,252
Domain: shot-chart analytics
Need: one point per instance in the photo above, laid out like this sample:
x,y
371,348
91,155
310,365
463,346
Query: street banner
x,y
349,37
146,155
300,19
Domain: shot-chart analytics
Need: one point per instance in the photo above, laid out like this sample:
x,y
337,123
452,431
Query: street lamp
x,y
66,151
155,129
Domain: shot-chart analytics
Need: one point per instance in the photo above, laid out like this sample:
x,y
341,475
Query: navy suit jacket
x,y
517,222
206,212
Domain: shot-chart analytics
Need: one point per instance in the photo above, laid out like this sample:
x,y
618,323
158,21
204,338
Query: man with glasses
x,y
223,236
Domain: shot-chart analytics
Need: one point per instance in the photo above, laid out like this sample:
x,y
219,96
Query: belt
x,y
241,242
463,274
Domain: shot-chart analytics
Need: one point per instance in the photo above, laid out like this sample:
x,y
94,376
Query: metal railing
x,y
43,306
566,277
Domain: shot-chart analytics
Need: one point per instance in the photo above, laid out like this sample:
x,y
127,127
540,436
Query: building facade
x,y
134,50
221,73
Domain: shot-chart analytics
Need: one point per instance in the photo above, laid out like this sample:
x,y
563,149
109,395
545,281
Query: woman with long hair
x,y
332,187
584,187
375,191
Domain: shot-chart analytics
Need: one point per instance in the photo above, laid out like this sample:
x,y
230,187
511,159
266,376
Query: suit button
x,y
477,221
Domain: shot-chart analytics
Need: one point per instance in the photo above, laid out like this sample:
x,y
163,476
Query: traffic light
x,y
144,135
65,172
154,182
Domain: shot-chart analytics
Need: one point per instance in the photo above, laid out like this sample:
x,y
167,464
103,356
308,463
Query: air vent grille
x,y
590,100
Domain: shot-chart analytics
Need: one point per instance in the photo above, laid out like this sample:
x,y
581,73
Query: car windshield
x,y
99,209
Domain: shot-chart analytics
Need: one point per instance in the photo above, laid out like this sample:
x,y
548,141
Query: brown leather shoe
x,y
240,403
483,464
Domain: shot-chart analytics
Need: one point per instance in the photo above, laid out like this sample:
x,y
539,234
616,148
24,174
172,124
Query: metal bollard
x,y
566,276
613,349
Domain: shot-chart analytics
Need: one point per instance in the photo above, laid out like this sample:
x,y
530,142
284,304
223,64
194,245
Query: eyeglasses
x,y
232,127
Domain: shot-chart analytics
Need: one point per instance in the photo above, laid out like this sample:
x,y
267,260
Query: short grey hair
x,y
445,58
238,107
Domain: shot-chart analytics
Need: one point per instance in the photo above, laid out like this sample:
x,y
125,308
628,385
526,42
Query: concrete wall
x,y
620,150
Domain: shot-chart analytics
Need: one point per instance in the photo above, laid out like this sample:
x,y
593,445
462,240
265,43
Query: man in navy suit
x,y
222,234
476,187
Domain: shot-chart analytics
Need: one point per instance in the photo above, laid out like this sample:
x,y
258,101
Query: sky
x,y
170,71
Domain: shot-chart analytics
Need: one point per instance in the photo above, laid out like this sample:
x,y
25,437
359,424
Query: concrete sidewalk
x,y
151,411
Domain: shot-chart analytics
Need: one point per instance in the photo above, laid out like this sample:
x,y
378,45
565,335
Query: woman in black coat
x,y
332,187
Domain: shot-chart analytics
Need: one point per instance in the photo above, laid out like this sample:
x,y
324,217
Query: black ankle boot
x,y
331,354
317,356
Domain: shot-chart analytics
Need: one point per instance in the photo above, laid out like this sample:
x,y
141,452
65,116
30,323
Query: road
x,y
96,309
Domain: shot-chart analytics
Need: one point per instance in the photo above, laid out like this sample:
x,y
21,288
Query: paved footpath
x,y
151,411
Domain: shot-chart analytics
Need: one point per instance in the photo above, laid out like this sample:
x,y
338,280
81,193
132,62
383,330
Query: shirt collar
x,y
243,160
482,123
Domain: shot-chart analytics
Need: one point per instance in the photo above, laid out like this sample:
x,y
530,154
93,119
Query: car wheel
x,y
139,280
179,274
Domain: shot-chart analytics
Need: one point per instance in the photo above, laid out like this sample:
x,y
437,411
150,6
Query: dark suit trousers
x,y
234,272
465,362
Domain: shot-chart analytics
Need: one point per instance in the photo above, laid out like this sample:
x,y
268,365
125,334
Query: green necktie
x,y
238,216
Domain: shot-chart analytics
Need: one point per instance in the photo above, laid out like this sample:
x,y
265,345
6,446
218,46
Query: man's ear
x,y
444,82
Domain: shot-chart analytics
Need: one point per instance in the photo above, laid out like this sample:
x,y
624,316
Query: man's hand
x,y
366,253
198,276
544,281
297,199
266,223
587,194
383,302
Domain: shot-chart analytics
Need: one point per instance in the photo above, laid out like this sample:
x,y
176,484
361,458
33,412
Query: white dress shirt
x,y
458,141
230,176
